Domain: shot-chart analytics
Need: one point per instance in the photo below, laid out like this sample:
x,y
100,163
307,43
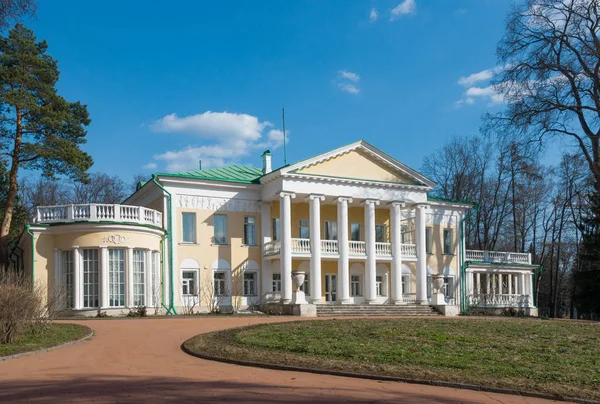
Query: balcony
x,y
98,212
499,300
498,257
356,249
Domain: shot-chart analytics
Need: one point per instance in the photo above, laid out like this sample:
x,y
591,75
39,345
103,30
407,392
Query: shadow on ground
x,y
129,389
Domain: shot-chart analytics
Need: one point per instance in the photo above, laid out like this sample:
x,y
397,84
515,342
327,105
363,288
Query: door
x,y
330,287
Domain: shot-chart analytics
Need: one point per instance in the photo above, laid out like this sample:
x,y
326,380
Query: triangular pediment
x,y
358,161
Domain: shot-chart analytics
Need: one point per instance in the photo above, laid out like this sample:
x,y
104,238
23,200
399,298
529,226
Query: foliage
x,y
39,129
140,311
56,334
15,10
561,358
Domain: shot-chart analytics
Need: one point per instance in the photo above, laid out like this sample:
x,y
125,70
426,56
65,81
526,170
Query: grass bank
x,y
56,334
559,358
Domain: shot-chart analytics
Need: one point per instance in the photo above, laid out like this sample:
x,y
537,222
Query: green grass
x,y
560,358
56,334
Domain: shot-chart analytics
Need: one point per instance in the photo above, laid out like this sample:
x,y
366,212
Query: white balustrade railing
x,y
329,246
409,250
272,247
357,248
98,212
497,256
409,297
499,300
383,249
301,245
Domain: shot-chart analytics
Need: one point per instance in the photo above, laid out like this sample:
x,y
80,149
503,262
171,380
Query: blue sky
x,y
167,84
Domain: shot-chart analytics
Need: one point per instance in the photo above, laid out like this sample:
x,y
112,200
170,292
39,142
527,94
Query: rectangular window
x,y
249,230
220,283
90,277
330,230
188,283
306,286
139,278
276,282
448,242
155,278
250,284
405,235
275,228
304,229
355,231
406,283
380,233
428,240
67,264
188,224
379,285
220,229
116,277
355,285
448,288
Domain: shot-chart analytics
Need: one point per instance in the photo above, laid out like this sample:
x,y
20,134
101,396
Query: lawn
x,y
560,358
57,334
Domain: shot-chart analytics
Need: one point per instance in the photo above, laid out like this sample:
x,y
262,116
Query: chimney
x,y
266,156
200,165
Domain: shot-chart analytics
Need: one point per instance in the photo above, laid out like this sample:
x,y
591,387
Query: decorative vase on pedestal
x,y
437,282
298,297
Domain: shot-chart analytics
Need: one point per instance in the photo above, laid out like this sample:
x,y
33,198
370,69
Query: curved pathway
x,y
140,361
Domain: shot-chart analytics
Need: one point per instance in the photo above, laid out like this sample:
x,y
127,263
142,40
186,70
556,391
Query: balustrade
x,y
497,256
499,300
96,212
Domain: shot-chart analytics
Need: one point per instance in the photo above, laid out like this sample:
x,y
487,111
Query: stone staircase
x,y
337,310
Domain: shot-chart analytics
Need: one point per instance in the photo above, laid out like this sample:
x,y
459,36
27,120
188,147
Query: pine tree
x,y
39,129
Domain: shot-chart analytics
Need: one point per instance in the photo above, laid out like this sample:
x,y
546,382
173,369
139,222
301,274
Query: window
x,y
155,278
304,229
139,278
250,284
188,224
380,233
448,288
405,235
355,285
429,287
276,229
220,224
90,277
379,285
276,282
67,264
330,230
355,232
406,284
306,285
448,242
116,277
188,283
249,230
220,282
428,240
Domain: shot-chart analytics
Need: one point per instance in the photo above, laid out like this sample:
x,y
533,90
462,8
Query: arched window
x,y
406,279
221,278
190,275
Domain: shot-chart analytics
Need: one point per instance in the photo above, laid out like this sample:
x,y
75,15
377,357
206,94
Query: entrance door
x,y
330,287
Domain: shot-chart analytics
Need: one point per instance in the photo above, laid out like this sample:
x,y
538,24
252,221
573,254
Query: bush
x,y
21,306
140,311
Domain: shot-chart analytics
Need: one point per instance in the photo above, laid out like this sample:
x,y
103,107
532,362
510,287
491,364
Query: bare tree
x,y
15,10
102,188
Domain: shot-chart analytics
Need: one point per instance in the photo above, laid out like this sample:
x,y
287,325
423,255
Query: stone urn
x,y
299,297
437,282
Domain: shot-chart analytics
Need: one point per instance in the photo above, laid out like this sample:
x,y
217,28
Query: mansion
x,y
350,227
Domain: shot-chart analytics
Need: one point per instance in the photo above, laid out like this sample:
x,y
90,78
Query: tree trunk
x,y
12,193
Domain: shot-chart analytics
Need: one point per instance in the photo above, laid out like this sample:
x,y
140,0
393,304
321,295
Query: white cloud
x,y
406,7
373,15
478,92
150,166
347,81
232,136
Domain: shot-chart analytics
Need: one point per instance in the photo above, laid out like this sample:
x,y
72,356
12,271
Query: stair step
x,y
375,310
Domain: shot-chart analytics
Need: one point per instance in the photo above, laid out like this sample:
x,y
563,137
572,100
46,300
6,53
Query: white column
x,y
421,254
343,278
148,268
510,291
77,279
129,278
479,290
489,283
371,264
316,294
103,276
396,235
285,214
530,290
265,232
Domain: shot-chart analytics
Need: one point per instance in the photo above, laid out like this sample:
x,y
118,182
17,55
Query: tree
x,y
15,10
39,129
102,188
551,58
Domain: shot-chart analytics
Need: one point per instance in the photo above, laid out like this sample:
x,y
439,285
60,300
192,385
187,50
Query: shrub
x,y
140,311
21,306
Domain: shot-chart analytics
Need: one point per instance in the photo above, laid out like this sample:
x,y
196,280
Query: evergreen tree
x,y
39,129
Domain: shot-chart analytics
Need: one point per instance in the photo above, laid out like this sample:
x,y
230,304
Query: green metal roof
x,y
233,173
